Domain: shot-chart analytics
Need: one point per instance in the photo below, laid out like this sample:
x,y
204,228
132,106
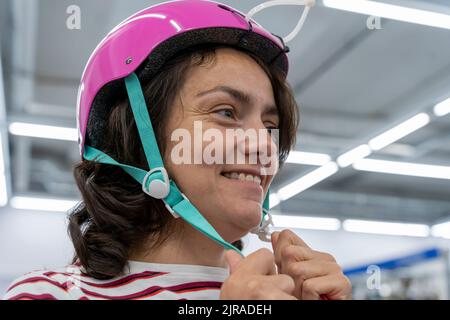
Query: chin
x,y
247,217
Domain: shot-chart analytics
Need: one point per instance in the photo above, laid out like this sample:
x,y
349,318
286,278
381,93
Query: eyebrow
x,y
240,96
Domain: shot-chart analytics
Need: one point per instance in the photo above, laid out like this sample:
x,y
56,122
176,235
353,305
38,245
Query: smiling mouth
x,y
244,177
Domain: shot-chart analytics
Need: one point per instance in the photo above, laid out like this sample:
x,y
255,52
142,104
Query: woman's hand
x,y
316,274
255,278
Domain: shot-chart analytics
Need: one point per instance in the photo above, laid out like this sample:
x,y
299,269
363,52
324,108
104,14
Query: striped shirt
x,y
141,281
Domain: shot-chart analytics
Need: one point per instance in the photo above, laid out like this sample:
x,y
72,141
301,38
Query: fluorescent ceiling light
x,y
443,108
399,132
313,223
403,168
308,158
441,230
42,131
400,150
307,181
388,228
394,12
41,204
351,156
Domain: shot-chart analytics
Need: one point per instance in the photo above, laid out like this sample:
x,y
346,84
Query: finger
x,y
292,238
294,253
283,282
272,287
284,239
304,270
312,269
334,287
261,262
233,259
274,238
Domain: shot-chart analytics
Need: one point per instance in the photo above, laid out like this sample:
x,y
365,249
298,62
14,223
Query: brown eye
x,y
226,113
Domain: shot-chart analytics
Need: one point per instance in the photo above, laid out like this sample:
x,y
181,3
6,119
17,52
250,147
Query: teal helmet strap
x,y
156,182
176,203
143,122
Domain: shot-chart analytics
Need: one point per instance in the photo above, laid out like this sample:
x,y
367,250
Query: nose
x,y
260,146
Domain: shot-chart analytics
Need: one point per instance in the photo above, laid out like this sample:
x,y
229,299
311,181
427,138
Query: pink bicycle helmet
x,y
145,41
131,54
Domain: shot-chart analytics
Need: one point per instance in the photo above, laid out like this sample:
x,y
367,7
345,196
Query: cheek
x,y
195,180
196,177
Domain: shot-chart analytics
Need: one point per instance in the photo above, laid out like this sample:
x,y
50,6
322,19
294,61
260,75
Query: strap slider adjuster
x,y
169,208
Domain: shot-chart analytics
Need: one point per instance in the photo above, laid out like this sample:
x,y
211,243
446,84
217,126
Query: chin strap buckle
x,y
263,230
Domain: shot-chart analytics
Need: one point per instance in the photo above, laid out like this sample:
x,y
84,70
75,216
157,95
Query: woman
x,y
136,235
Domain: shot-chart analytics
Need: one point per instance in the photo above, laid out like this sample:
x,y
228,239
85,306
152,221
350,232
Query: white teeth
x,y
243,177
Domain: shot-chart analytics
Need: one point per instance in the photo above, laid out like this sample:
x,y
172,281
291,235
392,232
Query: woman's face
x,y
232,92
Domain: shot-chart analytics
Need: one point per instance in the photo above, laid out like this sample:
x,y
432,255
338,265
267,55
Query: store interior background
x,y
352,84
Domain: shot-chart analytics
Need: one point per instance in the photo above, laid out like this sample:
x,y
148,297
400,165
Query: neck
x,y
186,246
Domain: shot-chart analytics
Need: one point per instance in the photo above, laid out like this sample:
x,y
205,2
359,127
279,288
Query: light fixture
x,y
390,11
300,222
308,158
443,108
387,228
403,168
43,131
441,230
400,131
351,156
42,204
307,181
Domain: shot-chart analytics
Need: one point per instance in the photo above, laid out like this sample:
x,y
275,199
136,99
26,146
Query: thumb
x,y
274,239
233,259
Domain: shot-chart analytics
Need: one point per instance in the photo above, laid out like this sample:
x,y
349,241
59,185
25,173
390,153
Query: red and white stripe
x,y
143,281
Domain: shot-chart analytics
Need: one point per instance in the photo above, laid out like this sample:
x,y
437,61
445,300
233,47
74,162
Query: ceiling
x,y
351,83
